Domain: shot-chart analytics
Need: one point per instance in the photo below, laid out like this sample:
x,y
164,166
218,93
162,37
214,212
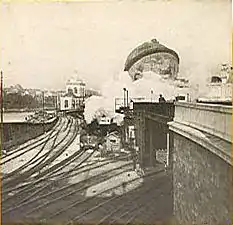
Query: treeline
x,y
18,101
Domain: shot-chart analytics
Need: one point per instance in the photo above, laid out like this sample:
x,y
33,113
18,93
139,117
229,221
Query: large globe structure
x,y
155,57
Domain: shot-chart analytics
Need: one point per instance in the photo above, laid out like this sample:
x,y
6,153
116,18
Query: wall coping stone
x,y
201,139
207,107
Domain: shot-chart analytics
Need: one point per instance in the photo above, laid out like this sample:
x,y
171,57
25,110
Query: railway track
x,y
73,204
29,145
49,196
124,208
77,205
26,192
30,198
45,161
26,188
51,137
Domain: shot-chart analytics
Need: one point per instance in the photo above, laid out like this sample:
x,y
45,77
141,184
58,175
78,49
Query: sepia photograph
x,y
116,112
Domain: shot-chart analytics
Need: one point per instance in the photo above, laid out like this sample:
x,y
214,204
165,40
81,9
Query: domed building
x,y
75,86
74,96
155,57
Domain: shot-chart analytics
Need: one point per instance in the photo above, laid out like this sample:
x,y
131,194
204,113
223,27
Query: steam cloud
x,y
149,87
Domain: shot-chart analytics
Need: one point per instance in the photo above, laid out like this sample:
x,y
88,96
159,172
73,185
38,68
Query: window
x,y
70,91
113,141
66,104
75,90
180,98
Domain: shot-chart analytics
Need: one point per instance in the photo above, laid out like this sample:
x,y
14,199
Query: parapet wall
x,y
202,163
202,184
20,132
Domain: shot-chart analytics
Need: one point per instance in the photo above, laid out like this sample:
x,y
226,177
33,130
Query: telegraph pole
x,y
127,98
124,89
1,110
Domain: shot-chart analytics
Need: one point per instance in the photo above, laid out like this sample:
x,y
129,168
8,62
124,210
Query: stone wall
x,y
151,129
202,184
18,133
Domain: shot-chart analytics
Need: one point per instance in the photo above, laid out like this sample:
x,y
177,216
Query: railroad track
x,y
123,208
27,191
79,205
29,196
29,145
45,161
37,161
61,193
50,190
26,188
39,204
35,157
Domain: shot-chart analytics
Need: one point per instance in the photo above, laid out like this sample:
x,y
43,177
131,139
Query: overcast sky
x,y
43,43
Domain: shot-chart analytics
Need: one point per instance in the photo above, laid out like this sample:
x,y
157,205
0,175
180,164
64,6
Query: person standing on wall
x,y
161,98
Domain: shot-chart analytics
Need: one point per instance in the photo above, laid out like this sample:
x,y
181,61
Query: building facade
x,y
219,88
74,97
113,142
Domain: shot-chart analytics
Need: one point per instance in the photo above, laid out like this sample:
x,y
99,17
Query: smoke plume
x,y
149,87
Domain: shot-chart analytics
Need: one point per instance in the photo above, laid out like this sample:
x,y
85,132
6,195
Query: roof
x,y
145,49
115,133
69,94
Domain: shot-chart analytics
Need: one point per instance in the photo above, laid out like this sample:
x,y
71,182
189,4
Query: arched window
x,y
70,91
66,104
216,79
75,90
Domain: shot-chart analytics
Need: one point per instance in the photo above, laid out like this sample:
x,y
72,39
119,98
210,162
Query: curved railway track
x,y
75,188
33,159
48,196
30,195
45,161
31,189
31,144
78,205
123,208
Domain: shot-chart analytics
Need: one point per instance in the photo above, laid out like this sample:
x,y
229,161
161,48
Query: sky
x,y
42,44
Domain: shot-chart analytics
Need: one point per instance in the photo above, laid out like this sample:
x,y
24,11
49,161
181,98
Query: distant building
x,y
91,92
14,89
219,89
104,120
113,142
76,86
74,96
